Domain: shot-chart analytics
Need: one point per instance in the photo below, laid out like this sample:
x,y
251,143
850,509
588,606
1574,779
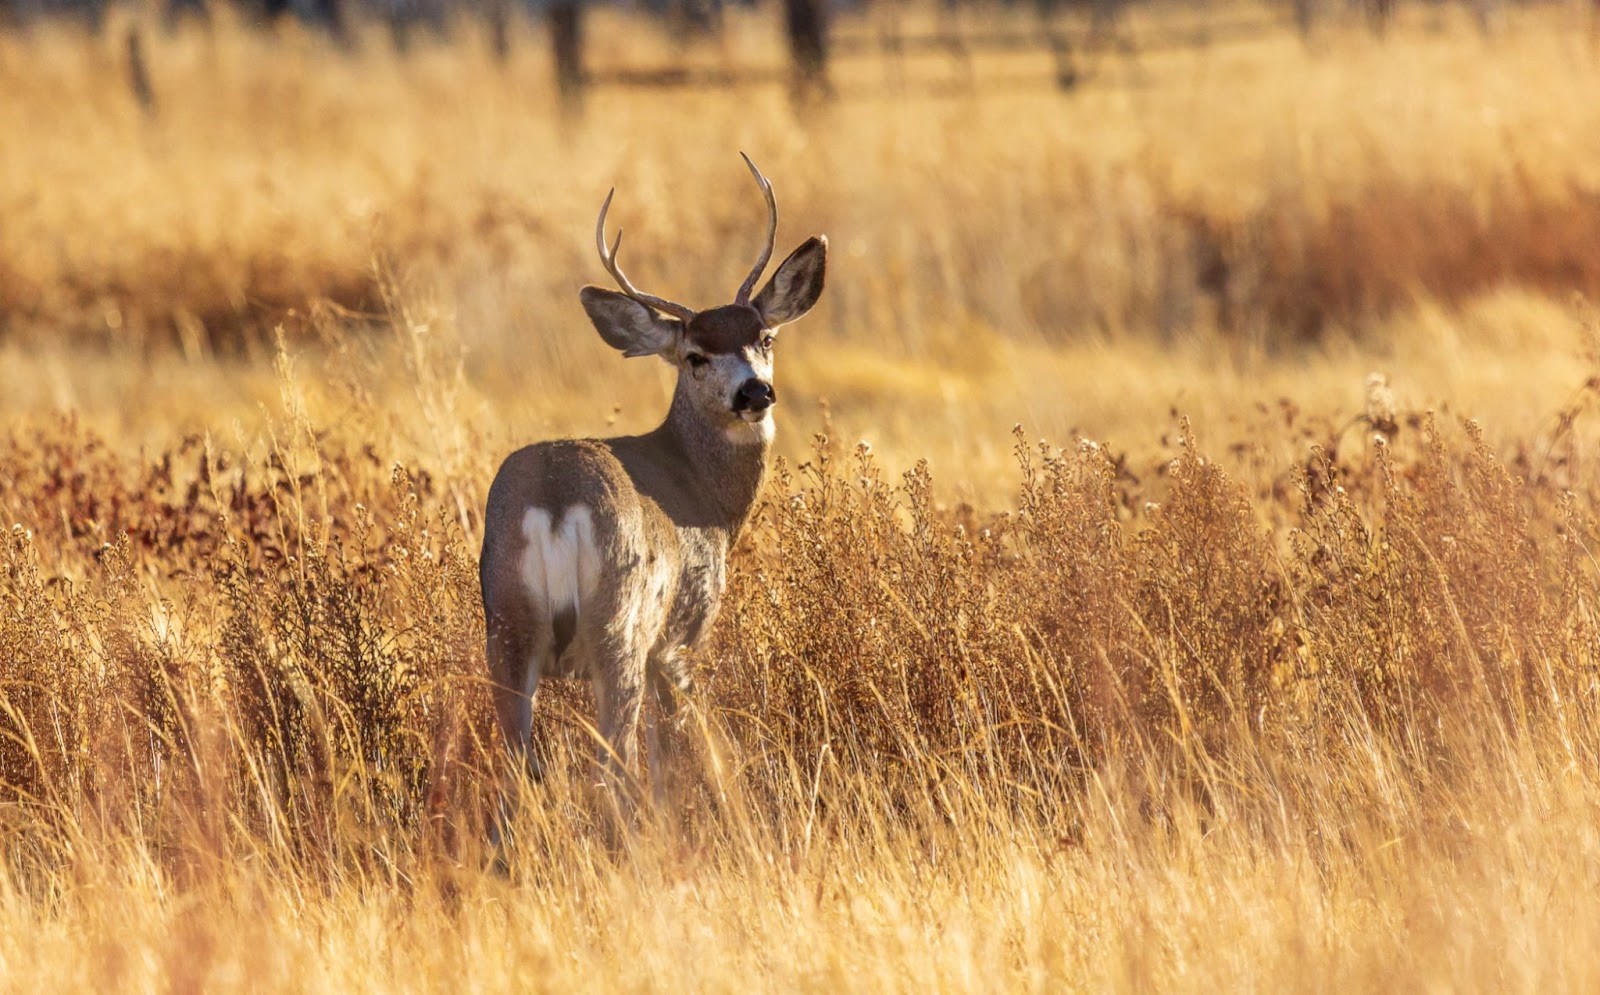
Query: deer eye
x,y
766,343
697,360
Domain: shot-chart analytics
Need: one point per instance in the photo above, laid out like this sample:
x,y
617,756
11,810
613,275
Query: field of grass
x,y
1274,666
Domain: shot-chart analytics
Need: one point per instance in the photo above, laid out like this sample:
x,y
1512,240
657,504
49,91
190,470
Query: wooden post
x,y
335,20
139,73
805,24
1305,17
498,13
1379,14
175,12
1068,75
566,43
1486,13
692,19
1105,18
93,13
891,42
400,18
951,40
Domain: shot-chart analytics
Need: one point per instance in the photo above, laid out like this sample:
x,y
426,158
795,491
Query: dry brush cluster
x,y
209,653
1178,630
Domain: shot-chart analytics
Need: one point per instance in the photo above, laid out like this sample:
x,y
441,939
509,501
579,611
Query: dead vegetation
x,y
214,662
1298,691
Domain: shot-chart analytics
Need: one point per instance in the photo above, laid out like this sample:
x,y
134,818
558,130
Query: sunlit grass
x,y
1276,683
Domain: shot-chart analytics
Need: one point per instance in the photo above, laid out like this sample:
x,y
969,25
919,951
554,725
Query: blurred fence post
x,y
337,21
175,12
402,17
328,15
139,72
405,16
1064,59
1305,17
1379,13
805,24
93,13
953,41
696,18
891,43
566,44
1062,54
1105,21
498,13
1487,16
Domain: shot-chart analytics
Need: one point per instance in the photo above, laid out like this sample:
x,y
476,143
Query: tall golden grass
x,y
1297,691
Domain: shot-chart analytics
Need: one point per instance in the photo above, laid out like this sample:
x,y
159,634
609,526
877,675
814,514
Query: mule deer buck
x,y
606,558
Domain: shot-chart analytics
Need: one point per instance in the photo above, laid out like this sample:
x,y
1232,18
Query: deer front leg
x,y
671,684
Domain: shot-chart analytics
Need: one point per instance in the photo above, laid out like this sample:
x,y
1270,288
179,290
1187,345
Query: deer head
x,y
723,354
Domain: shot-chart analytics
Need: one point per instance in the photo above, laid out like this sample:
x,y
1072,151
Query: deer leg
x,y
656,744
670,683
514,666
514,669
618,696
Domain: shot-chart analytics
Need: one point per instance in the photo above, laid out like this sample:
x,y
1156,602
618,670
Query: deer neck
x,y
728,463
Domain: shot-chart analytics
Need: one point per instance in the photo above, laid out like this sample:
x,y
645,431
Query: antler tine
x,y
608,257
749,284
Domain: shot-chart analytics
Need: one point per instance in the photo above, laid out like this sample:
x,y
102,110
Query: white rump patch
x,y
559,565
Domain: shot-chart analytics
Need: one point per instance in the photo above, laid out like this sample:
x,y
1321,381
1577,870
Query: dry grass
x,y
1341,733
1296,692
1181,191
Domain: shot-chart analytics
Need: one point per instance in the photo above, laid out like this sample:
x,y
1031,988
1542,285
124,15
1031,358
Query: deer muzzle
x,y
753,398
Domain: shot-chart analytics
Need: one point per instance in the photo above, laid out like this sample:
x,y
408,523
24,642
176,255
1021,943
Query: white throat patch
x,y
752,433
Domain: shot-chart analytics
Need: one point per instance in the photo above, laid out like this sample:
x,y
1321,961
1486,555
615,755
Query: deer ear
x,y
796,284
628,326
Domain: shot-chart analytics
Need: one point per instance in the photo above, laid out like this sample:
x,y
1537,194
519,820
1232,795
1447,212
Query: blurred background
x,y
1081,216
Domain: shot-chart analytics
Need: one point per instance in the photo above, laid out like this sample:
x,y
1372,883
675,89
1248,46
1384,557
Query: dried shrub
x,y
296,639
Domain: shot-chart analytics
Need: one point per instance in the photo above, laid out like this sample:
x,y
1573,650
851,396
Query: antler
x,y
772,233
608,257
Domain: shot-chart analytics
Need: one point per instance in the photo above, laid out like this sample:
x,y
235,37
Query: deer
x,y
606,559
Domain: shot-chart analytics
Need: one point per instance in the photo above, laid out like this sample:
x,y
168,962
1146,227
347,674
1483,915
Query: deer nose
x,y
754,395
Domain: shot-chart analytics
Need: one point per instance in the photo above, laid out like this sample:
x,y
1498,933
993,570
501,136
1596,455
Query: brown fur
x,y
727,329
